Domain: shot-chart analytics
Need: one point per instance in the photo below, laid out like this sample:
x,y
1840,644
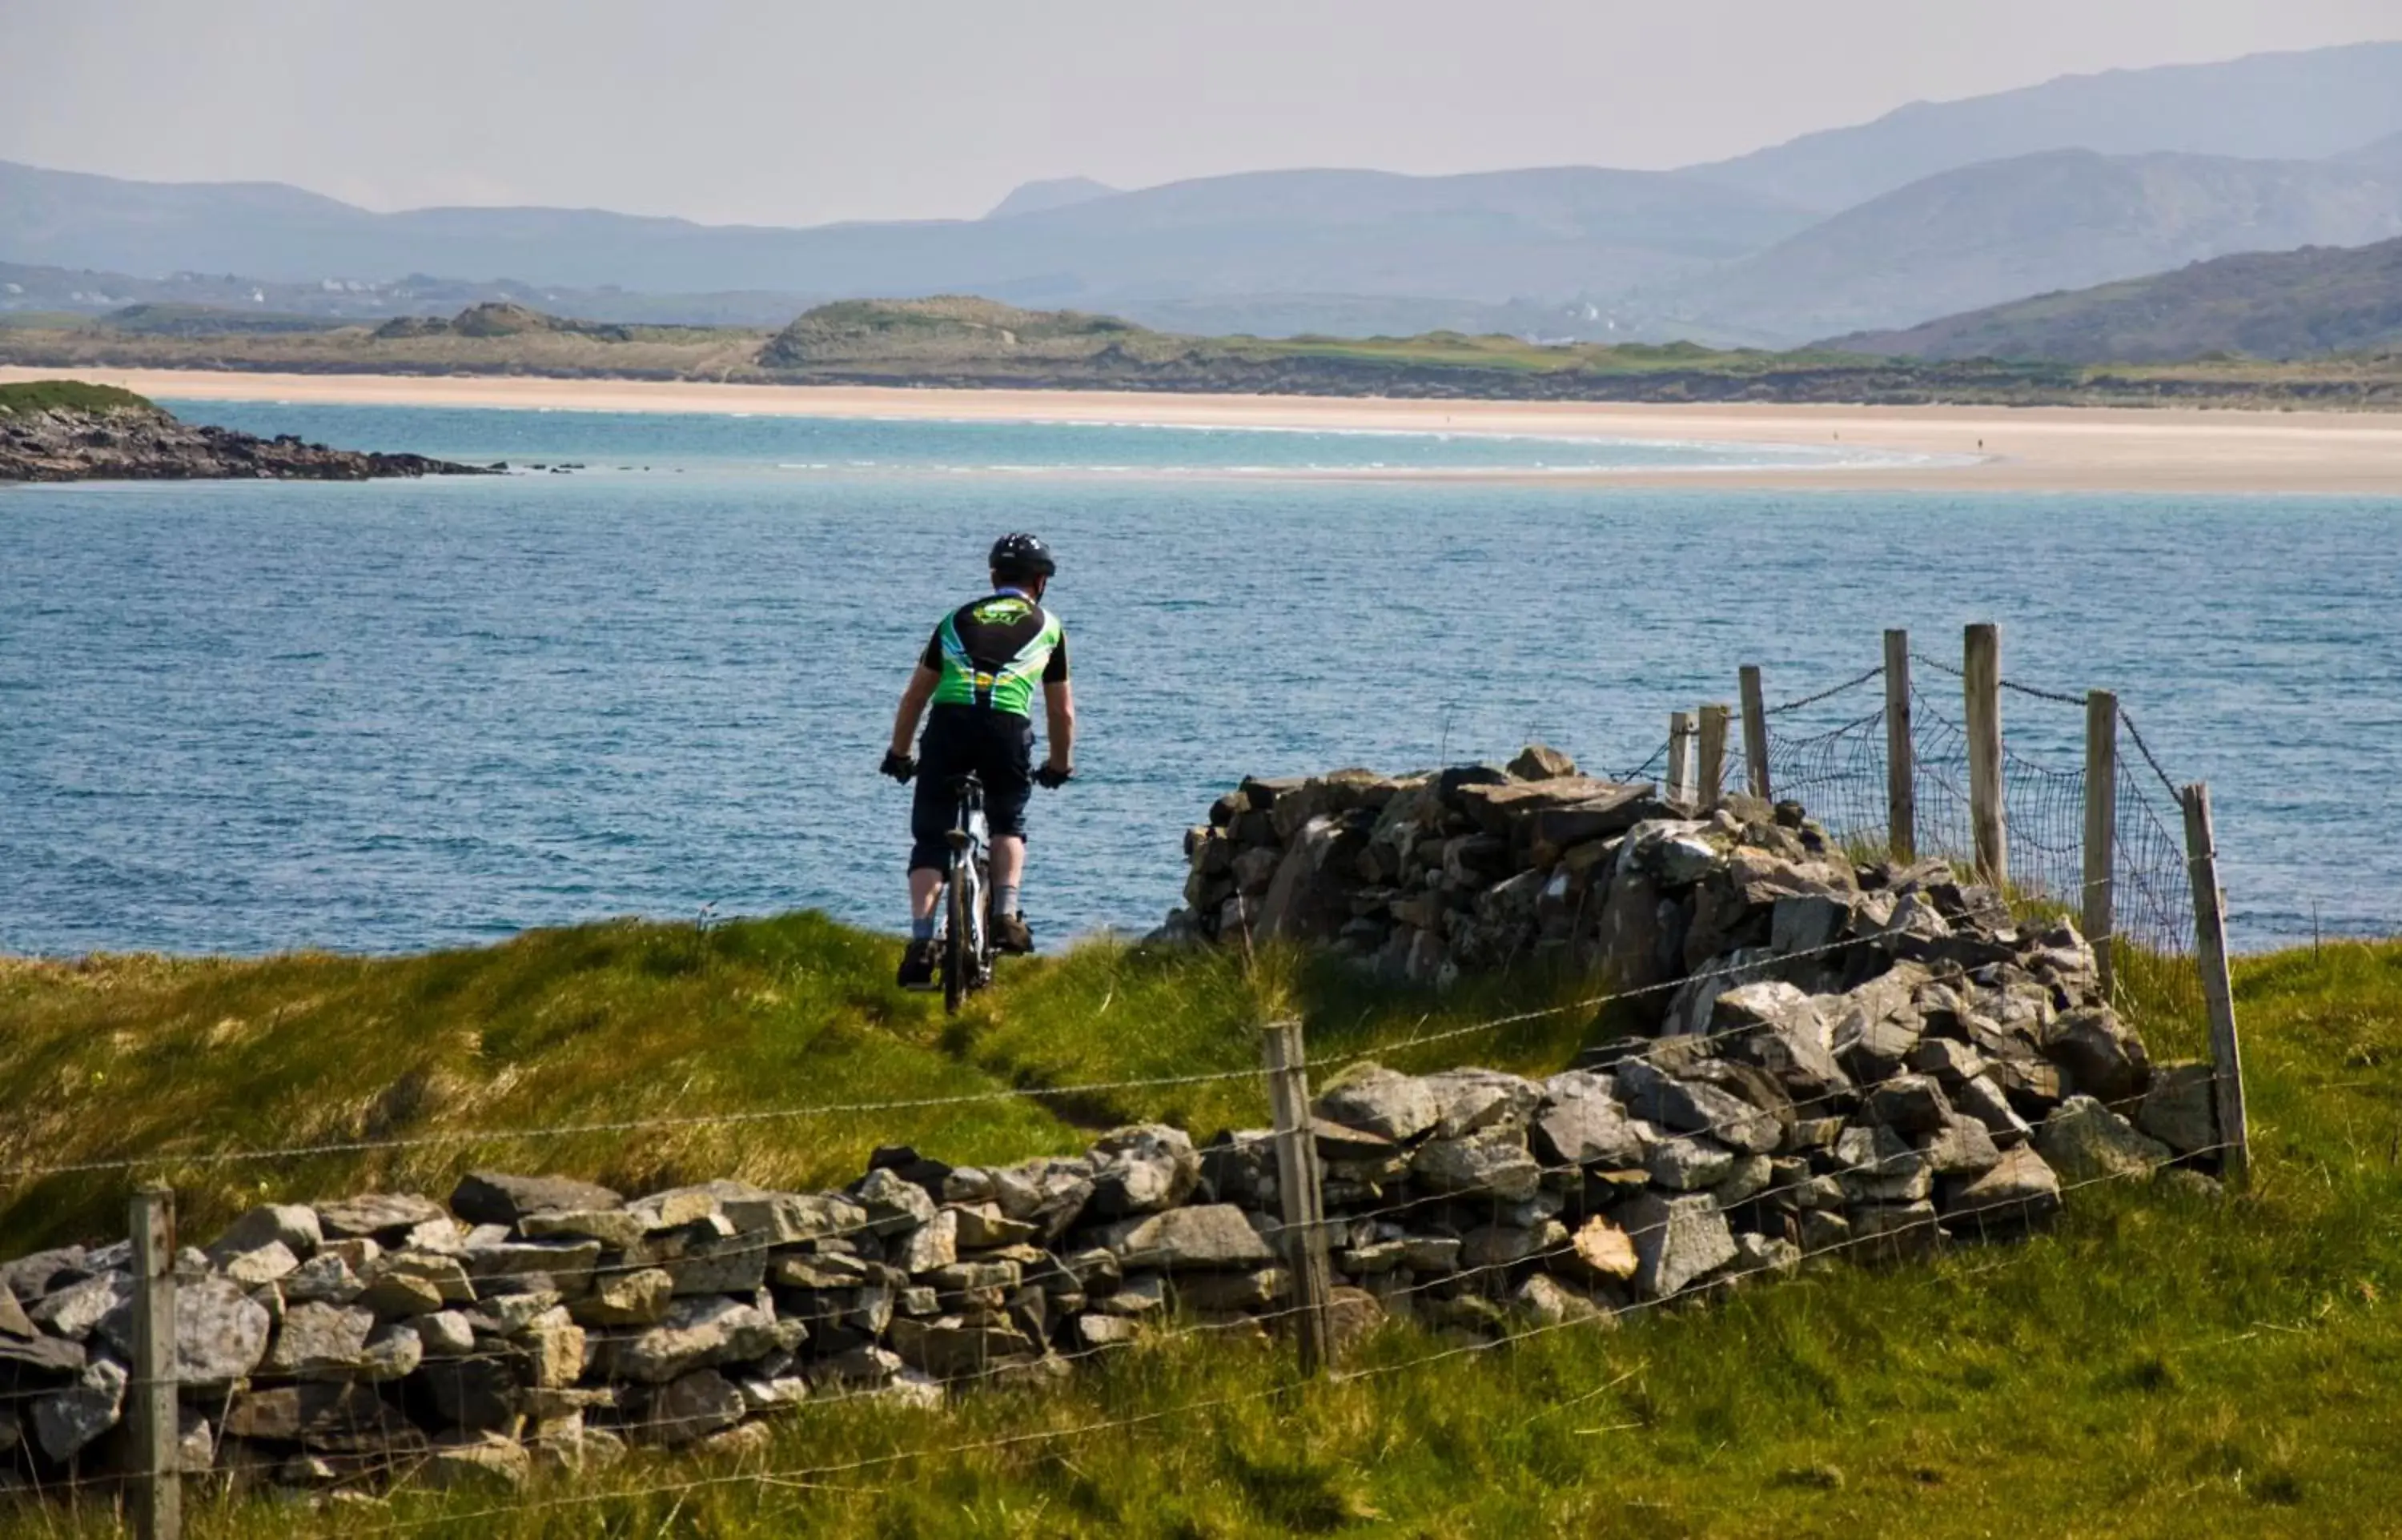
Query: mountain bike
x,y
965,941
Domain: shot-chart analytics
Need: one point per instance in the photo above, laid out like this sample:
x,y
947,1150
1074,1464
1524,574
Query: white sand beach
x,y
1970,449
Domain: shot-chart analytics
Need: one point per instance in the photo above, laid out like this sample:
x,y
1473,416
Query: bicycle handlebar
x,y
903,767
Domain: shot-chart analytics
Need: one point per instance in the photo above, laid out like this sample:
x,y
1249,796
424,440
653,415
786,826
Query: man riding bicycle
x,y
979,671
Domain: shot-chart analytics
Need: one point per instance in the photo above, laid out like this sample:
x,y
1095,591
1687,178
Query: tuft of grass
x,y
2156,1363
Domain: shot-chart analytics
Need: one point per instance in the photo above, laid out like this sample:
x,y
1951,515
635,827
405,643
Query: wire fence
x,y
1838,774
1829,749
358,1448
815,1476
364,1446
365,1454
1828,753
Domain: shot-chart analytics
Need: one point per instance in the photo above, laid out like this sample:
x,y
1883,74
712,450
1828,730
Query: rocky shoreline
x,y
147,444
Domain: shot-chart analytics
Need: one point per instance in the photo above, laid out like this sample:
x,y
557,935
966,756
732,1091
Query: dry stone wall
x,y
1834,1057
1471,868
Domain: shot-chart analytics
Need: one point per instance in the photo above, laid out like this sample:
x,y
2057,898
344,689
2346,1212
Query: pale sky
x,y
797,113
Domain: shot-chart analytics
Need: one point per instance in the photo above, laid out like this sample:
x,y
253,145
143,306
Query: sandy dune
x,y
1994,449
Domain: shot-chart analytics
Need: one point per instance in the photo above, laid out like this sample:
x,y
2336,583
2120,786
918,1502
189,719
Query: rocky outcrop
x,y
150,444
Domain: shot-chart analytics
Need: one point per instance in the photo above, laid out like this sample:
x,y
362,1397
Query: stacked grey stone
x,y
1478,868
1834,1054
542,1320
1834,1057
1427,876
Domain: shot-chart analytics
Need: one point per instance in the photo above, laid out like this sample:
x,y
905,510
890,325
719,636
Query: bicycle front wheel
x,y
960,942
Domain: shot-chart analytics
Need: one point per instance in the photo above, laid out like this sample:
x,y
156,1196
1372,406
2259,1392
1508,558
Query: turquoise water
x,y
786,447
247,717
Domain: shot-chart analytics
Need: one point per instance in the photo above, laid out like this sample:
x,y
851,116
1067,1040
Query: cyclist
x,y
979,671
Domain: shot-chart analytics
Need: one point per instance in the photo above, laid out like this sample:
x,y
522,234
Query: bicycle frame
x,y
965,908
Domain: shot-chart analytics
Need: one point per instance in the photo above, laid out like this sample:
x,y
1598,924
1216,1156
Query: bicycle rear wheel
x,y
959,942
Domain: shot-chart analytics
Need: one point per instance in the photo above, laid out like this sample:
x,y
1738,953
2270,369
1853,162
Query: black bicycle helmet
x,y
1022,556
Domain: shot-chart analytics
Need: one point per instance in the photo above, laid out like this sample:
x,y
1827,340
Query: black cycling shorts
x,y
999,745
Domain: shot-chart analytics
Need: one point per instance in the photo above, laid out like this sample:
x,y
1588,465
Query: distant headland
x,y
63,430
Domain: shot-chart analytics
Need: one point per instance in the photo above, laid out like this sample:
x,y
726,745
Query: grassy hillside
x,y
626,1021
2156,1364
945,329
51,396
2281,304
484,339
170,319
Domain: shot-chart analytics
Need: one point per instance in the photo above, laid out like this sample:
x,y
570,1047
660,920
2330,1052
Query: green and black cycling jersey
x,y
989,653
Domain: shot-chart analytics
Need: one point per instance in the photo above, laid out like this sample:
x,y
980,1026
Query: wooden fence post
x,y
1715,718
1680,756
1755,732
2102,830
2217,989
1981,668
157,1483
1298,1186
1901,765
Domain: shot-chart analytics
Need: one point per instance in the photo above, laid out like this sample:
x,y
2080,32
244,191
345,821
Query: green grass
x,y
48,395
1509,354
42,320
631,1022
2154,1364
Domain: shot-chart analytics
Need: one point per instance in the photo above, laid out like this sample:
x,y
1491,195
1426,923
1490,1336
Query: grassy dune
x,y
2156,1364
51,396
962,341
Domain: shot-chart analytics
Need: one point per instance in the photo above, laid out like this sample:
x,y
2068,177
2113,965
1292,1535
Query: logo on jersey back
x,y
999,610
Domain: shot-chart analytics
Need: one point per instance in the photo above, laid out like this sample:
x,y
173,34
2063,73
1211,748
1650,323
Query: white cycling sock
x,y
1005,900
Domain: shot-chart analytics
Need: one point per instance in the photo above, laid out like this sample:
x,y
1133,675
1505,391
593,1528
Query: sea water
x,y
246,717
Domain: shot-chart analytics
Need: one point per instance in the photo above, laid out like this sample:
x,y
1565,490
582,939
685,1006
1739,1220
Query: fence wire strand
x,y
2168,783
1659,762
1828,694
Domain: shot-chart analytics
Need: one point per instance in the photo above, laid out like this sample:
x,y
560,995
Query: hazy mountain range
x,y
2269,106
1933,209
2275,304
1486,237
2000,230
